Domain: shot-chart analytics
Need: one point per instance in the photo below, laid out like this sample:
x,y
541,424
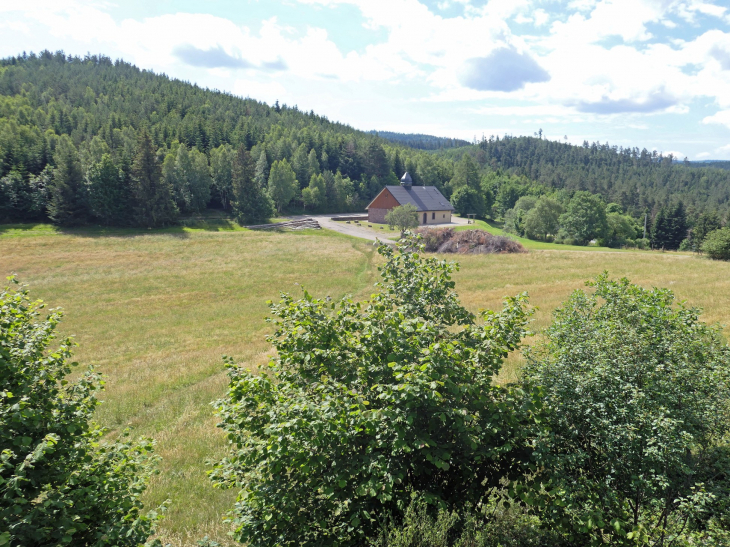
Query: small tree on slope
x,y
403,217
59,483
369,402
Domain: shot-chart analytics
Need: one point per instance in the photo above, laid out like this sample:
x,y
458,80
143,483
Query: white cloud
x,y
541,17
722,117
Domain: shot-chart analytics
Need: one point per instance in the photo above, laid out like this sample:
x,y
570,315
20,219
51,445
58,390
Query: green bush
x,y
717,244
59,483
494,525
368,402
468,201
637,393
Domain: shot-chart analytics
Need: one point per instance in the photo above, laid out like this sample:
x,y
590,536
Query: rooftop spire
x,y
406,181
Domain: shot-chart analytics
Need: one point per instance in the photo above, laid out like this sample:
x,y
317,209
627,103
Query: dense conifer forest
x,y
421,141
637,179
91,140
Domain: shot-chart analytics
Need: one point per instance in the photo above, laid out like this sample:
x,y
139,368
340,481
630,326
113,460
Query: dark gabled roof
x,y
425,198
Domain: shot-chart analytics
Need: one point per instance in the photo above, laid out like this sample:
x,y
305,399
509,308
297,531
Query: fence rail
x,y
301,224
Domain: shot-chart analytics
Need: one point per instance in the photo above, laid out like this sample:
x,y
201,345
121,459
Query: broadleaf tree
x,y
283,185
366,403
636,404
60,483
403,217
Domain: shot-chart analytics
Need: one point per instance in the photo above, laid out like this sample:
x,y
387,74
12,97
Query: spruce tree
x,y
153,204
68,203
109,193
466,173
707,222
398,166
678,226
199,181
251,203
661,230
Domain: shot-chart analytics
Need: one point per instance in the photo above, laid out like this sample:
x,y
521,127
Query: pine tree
x,y
251,203
68,203
153,203
330,191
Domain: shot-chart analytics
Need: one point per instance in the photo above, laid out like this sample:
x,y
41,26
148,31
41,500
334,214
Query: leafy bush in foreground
x,y
717,244
637,393
59,484
369,402
494,525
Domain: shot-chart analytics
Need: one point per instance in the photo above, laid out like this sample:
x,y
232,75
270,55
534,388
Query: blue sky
x,y
647,73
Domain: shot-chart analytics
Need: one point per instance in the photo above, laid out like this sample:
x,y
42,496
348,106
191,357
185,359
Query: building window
x,y
444,215
433,216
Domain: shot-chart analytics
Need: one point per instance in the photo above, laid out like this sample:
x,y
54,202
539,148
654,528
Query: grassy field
x,y
530,244
156,311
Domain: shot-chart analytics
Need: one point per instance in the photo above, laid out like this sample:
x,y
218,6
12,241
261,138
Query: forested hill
x,y
60,116
636,179
715,164
420,141
95,96
95,140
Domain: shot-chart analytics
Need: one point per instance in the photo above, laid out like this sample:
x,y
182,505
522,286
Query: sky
x,y
646,73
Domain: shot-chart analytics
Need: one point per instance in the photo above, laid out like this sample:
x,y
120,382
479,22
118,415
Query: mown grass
x,y
530,244
154,312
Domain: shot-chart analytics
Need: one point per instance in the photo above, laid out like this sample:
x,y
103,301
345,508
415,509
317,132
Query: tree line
x,y
56,108
71,130
539,211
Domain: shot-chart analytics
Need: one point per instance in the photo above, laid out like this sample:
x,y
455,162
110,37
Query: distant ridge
x,y
715,164
421,141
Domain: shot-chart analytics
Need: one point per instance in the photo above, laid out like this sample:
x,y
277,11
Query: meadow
x,y
154,312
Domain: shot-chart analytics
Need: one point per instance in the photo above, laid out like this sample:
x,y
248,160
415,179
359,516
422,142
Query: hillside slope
x,y
101,106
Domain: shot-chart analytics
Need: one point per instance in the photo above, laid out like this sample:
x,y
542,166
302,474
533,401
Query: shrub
x,y
494,525
59,483
368,402
636,401
717,244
